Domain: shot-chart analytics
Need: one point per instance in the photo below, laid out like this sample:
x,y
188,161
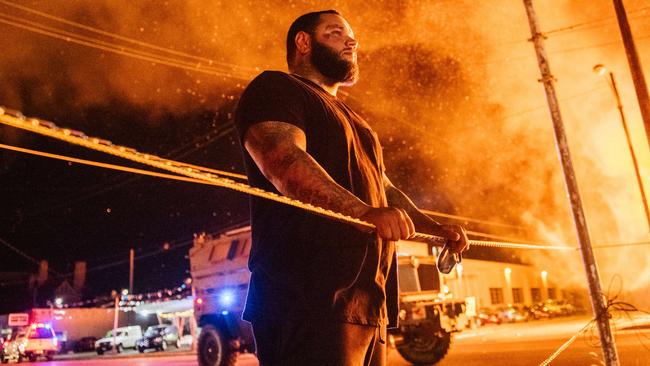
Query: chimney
x,y
79,279
42,273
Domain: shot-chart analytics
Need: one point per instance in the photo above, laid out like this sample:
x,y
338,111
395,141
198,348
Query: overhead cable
x,y
127,39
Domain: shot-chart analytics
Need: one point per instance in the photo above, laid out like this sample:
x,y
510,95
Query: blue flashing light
x,y
227,297
225,312
48,325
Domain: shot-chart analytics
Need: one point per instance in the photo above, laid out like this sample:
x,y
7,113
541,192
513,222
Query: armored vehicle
x,y
218,264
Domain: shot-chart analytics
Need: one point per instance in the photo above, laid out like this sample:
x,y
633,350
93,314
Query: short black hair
x,y
305,23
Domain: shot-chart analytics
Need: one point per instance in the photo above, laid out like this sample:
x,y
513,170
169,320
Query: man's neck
x,y
309,72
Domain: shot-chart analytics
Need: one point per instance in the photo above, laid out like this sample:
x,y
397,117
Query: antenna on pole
x,y
598,305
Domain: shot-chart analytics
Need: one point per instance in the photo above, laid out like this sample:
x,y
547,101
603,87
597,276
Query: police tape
x,y
216,177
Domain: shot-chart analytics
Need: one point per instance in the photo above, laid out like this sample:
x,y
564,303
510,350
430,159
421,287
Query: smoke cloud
x,y
451,87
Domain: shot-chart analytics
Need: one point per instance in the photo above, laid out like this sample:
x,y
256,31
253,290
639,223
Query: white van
x,y
125,337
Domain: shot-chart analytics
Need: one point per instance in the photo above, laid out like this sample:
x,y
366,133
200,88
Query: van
x,y
125,337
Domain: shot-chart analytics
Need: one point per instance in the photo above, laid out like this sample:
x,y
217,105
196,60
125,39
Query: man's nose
x,y
351,42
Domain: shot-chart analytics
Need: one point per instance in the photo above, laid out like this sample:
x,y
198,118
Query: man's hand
x,y
392,223
456,237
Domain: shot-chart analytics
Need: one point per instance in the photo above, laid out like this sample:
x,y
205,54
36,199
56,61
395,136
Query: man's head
x,y
324,40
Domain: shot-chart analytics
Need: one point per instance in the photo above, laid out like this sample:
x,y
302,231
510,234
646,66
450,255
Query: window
x,y
429,277
517,295
536,294
552,293
408,281
40,333
232,252
496,295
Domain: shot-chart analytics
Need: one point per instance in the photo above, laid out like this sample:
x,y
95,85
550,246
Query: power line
x,y
589,23
469,219
558,51
618,245
26,256
121,50
569,28
127,39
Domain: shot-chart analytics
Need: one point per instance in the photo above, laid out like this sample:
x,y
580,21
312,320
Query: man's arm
x,y
454,233
280,151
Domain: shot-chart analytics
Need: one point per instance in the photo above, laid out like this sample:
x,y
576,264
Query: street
x,y
508,344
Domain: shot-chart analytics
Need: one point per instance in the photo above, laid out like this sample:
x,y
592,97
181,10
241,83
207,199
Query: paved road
x,y
514,345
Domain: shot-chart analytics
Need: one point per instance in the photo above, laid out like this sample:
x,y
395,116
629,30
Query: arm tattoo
x,y
279,150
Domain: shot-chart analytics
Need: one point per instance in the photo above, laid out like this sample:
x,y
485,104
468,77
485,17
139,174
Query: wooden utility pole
x,y
635,66
596,294
131,269
639,180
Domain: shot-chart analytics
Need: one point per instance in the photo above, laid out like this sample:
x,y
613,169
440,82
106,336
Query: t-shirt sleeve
x,y
271,96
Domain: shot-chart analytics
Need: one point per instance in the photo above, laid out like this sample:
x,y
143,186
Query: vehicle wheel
x,y
141,349
32,358
215,348
177,344
120,348
100,352
49,357
163,345
425,345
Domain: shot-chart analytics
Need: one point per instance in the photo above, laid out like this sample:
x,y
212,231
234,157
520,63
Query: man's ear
x,y
303,42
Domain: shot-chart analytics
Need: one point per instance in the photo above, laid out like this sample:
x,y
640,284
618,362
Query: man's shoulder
x,y
272,76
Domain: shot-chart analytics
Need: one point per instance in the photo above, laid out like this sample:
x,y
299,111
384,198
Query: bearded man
x,y
321,292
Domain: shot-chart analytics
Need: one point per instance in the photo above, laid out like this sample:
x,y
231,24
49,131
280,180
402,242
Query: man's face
x,y
334,50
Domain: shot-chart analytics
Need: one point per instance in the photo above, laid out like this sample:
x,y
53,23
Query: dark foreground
x,y
512,344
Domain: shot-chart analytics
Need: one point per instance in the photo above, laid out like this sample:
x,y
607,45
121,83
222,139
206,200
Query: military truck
x,y
218,264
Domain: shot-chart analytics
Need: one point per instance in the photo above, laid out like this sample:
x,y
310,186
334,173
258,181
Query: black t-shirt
x,y
303,265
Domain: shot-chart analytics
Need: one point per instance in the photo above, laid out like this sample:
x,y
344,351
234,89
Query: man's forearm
x,y
279,150
305,180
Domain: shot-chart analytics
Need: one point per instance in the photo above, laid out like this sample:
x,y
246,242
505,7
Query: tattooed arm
x,y
454,233
280,151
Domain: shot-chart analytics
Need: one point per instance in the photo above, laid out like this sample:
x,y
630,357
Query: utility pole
x,y
635,66
131,265
600,69
596,294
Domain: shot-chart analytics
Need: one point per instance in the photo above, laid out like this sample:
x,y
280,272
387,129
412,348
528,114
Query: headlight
x,y
227,297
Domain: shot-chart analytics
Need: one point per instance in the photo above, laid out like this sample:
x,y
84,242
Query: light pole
x,y
602,70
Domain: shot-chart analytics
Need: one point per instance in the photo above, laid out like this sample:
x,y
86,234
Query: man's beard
x,y
332,65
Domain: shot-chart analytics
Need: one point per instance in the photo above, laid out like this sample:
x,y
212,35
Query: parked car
x,y
11,351
85,344
2,347
487,316
551,309
159,337
513,314
40,342
125,337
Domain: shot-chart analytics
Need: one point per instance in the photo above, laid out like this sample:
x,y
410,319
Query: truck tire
x,y
215,348
425,345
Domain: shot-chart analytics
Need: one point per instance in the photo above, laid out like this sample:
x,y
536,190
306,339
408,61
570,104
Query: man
x,y
321,292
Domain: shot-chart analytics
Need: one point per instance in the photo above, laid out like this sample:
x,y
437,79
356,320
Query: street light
x,y
602,70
